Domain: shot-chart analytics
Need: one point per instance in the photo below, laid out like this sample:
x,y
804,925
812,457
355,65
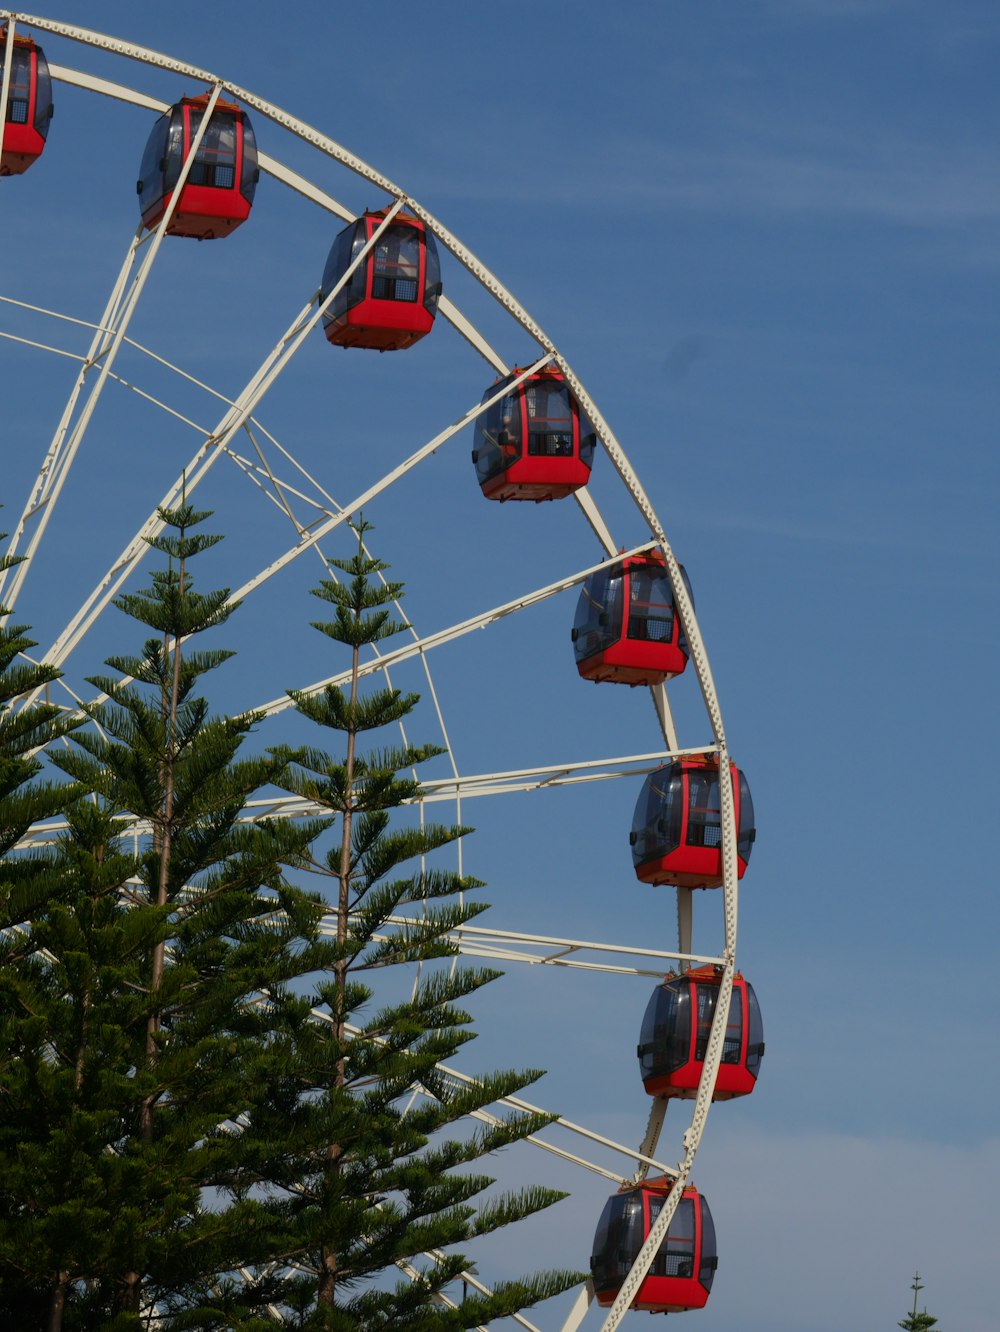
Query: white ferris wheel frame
x,y
108,335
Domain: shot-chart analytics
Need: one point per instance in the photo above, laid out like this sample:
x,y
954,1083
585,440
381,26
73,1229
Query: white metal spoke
x,y
42,346
657,1117
580,1309
590,511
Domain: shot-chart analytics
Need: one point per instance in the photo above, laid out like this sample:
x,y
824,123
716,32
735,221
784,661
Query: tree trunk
x,y
57,1303
326,1292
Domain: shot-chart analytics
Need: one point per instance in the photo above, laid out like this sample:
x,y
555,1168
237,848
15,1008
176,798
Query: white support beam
x,y
581,1305
59,456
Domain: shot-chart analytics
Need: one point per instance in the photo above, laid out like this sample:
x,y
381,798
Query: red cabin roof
x,y
29,105
684,1268
219,190
627,630
677,831
675,1031
390,300
533,443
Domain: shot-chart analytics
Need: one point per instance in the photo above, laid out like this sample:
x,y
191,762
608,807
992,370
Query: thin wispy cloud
x,y
900,184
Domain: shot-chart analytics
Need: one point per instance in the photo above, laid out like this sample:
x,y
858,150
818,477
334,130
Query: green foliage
x,y
204,1112
138,1007
384,1191
917,1322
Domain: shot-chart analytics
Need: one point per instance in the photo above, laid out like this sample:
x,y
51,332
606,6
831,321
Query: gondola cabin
x,y
677,829
675,1033
533,443
29,105
219,190
390,300
683,1270
627,630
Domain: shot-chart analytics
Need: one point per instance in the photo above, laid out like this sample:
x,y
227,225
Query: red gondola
x,y
29,105
534,443
626,629
218,193
675,1033
392,296
677,829
683,1270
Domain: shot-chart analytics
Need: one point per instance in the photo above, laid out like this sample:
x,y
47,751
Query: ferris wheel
x,y
542,451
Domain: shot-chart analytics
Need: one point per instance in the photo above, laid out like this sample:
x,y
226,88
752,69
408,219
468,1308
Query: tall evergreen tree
x,y
375,1179
917,1322
24,800
140,1016
192,1125
29,884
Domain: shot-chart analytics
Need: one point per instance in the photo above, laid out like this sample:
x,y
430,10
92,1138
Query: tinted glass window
x,y
151,170
432,274
707,995
682,641
248,171
676,1255
588,440
747,832
349,243
666,1030
618,1240
755,1036
43,94
709,1248
733,1039
173,149
598,613
19,97
650,604
656,825
396,264
498,434
215,161
550,419
704,827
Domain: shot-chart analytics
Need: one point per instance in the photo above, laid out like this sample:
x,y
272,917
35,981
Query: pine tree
x,y
147,1009
27,878
192,1125
917,1322
29,883
375,1183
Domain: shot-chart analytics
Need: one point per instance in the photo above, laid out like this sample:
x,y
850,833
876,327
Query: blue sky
x,y
765,236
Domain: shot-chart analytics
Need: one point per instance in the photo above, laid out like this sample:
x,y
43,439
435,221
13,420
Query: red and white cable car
x,y
534,443
391,298
29,105
684,1268
627,629
675,1031
219,190
677,829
